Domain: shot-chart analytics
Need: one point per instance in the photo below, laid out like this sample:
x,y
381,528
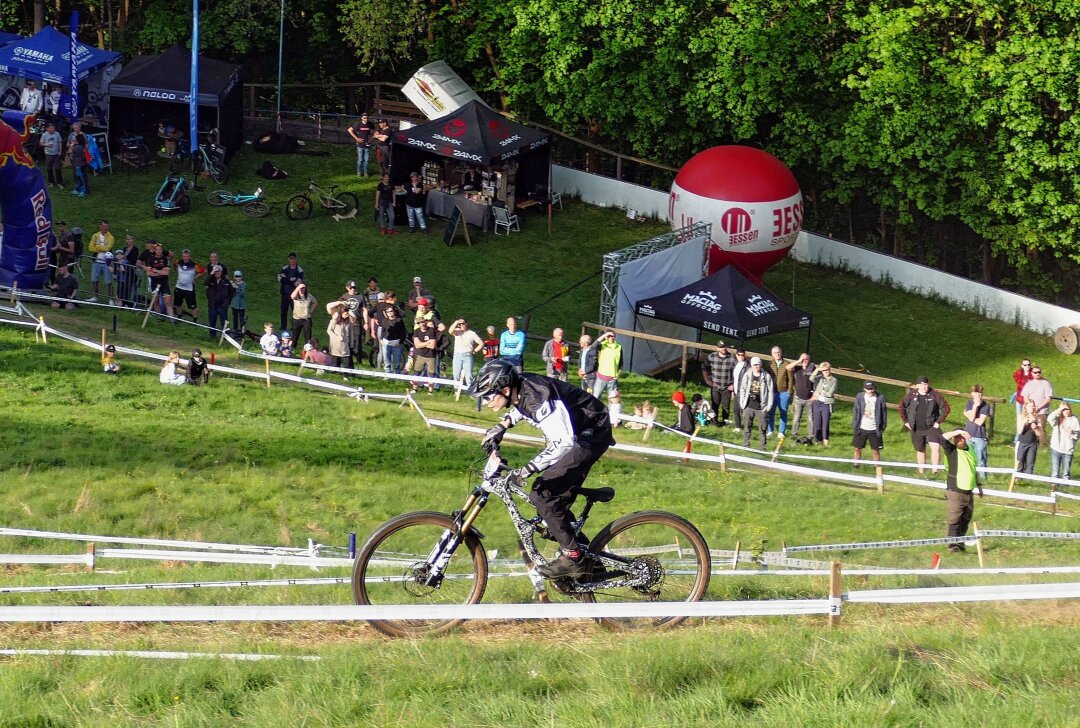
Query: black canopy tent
x,y
727,304
152,88
476,134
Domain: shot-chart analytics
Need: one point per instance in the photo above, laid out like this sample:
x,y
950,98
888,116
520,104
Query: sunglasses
x,y
1036,371
490,396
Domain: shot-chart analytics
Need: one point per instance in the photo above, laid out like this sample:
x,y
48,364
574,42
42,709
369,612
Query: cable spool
x,y
1067,339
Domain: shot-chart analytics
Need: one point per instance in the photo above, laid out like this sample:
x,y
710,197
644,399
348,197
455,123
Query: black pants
x,y
301,332
284,309
721,399
553,492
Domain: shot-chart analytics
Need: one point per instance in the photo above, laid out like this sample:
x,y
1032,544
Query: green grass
x,y
236,462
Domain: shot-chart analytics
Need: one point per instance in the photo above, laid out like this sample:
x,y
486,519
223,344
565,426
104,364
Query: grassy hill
x,y
240,463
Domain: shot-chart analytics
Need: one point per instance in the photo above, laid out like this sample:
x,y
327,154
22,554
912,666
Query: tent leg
x,y
809,330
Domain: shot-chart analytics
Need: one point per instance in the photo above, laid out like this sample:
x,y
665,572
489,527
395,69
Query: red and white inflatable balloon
x,y
752,200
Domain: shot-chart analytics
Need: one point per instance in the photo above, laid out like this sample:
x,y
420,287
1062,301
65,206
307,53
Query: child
x,y
614,408
198,371
269,343
239,302
702,409
491,345
684,420
171,370
286,345
108,360
639,412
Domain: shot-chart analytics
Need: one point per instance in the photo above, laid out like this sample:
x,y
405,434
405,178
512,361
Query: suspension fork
x,y
451,538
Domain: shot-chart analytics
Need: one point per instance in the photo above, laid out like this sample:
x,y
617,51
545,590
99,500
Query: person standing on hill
x,y
361,133
512,345
783,385
802,391
288,277
868,419
556,355
719,376
822,401
1040,393
755,399
303,310
976,413
587,363
608,363
961,480
923,410
1021,377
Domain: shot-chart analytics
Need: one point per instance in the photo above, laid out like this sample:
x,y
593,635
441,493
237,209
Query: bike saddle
x,y
597,495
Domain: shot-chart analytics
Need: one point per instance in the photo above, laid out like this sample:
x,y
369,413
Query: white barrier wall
x,y
988,301
607,192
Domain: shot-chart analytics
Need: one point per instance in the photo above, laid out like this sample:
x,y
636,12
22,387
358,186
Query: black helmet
x,y
493,377
111,349
196,353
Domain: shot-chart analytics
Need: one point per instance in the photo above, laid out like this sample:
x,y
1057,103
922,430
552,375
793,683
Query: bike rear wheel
x,y
219,174
298,207
390,567
669,549
217,198
256,209
345,203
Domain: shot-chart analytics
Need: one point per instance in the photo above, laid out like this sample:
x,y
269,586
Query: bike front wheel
x,y
392,566
667,555
298,207
217,198
256,209
219,174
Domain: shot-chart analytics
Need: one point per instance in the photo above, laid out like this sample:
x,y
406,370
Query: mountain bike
x,y
299,206
426,557
210,157
254,204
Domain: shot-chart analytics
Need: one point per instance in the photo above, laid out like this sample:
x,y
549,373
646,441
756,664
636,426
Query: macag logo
x,y
757,305
704,300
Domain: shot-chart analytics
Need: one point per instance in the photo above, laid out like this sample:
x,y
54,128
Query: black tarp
x,y
726,304
155,88
476,134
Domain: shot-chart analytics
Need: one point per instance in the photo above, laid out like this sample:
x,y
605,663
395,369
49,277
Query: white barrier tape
x,y
83,559
33,324
1067,496
221,558
1005,570
238,584
351,613
803,470
876,544
357,372
1027,534
934,595
419,410
146,654
1028,497
168,543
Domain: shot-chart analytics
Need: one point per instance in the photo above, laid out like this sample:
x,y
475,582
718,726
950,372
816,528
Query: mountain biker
x,y
577,431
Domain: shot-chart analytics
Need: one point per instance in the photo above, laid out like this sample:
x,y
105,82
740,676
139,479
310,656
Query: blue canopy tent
x,y
6,38
45,56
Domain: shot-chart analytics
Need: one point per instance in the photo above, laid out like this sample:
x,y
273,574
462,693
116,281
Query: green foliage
x,y
385,36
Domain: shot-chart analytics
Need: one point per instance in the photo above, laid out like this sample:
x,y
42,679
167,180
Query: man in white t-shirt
x,y
868,421
31,99
467,344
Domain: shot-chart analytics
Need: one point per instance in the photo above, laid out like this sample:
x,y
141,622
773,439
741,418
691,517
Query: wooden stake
x,y
1053,494
835,594
776,451
650,415
735,559
14,291
723,459
152,306
44,337
880,475
1012,479
103,342
979,547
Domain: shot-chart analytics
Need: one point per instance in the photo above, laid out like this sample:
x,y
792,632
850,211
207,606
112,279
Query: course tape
x,y
164,542
152,655
1027,534
876,545
221,558
989,593
238,584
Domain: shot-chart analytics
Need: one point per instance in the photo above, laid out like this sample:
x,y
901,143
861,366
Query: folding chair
x,y
505,219
556,199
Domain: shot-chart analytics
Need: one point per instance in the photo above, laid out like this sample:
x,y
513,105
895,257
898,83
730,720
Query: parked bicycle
x,y
210,157
133,151
254,205
428,557
299,206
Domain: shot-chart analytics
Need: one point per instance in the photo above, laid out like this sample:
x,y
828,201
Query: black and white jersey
x,y
565,415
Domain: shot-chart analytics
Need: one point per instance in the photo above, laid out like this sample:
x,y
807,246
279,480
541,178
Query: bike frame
x,y
239,199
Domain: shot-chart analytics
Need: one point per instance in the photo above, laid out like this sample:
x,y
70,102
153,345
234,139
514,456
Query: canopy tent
x,y
728,304
6,38
155,88
476,134
46,56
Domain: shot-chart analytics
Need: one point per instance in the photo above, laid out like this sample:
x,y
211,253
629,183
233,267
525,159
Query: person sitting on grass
x,y
198,370
66,286
286,347
172,370
684,421
701,409
108,360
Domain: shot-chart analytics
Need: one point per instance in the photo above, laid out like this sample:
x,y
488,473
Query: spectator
x,y
961,479
187,272
684,420
357,303
101,245
286,348
822,401
1063,440
303,309
172,370
157,270
31,99
1040,393
443,342
719,378
608,362
389,300
316,356
1021,377
512,344
65,245
414,203
1031,434
418,291
127,272
741,365
587,361
371,297
615,407
77,155
782,382
392,331
66,286
215,259
801,390
703,411
341,320
556,354
868,419
923,410
976,413
423,311
756,395
108,360
52,144
239,302
381,136
198,370
269,343
219,293
424,343
467,344
52,99
288,277
361,133
384,205
491,345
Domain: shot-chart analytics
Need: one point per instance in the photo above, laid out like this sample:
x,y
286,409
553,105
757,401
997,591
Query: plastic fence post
x,y
979,546
835,594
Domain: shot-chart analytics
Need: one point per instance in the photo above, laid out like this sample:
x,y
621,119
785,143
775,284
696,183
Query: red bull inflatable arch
x,y
25,208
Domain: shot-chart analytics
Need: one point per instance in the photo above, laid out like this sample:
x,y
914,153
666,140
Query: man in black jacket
x,y
922,411
868,421
577,431
588,362
288,277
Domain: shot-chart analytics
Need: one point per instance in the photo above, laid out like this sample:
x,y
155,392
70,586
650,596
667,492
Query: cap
x,y
869,385
110,348
679,397
922,380
422,302
186,250
755,360
417,279
292,255
308,347
351,284
217,269
238,274
380,296
720,343
61,222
